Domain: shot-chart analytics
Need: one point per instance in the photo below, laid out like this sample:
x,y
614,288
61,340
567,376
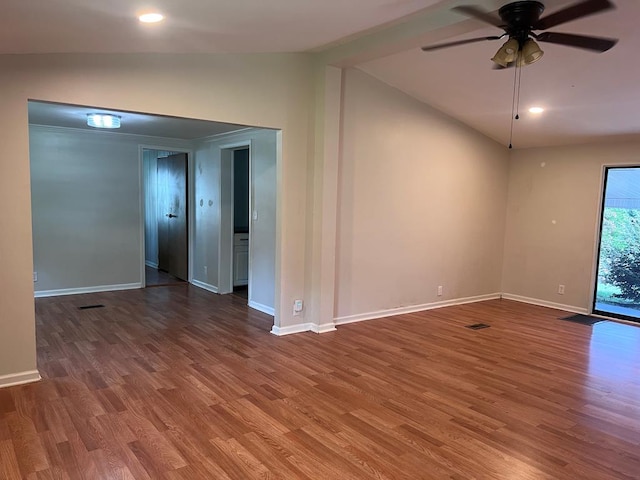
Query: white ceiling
x,y
191,26
74,116
587,96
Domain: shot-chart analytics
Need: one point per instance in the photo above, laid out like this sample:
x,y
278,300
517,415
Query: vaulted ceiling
x,y
587,96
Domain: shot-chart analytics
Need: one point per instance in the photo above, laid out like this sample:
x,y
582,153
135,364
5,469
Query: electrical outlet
x,y
561,289
206,272
298,306
439,290
35,277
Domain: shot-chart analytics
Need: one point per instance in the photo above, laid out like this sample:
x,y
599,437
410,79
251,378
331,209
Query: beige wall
x,y
421,203
422,199
552,220
260,90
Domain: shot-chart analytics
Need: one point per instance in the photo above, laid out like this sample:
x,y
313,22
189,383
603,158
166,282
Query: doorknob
x,y
171,215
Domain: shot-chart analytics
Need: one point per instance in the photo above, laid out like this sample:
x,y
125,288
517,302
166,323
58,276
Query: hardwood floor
x,y
158,278
177,383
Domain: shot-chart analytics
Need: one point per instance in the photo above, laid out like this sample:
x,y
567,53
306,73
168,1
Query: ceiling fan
x,y
520,20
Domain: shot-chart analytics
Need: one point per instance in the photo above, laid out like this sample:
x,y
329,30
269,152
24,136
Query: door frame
x,y
225,246
190,205
598,243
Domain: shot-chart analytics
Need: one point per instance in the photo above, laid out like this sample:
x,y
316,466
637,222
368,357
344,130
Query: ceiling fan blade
x,y
579,10
430,48
597,44
471,11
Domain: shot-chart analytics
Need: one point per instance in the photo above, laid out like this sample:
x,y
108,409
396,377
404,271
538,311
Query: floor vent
x,y
87,307
478,326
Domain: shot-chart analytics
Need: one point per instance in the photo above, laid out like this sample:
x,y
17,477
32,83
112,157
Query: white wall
x,y
85,193
421,203
552,220
214,205
206,239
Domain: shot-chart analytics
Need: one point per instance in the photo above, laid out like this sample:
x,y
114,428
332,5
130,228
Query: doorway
x,y
617,289
167,212
235,219
241,221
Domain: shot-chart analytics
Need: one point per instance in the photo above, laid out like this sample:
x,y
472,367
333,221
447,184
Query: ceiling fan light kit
x,y
519,21
531,53
507,53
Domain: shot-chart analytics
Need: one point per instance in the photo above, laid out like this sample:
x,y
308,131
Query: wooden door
x,y
173,246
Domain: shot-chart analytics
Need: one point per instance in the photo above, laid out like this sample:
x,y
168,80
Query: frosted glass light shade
x,y
103,120
507,53
531,52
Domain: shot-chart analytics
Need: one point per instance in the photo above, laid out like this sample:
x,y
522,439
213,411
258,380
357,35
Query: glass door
x,y
617,289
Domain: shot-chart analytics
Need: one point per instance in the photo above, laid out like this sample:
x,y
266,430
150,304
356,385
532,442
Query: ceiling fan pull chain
x,y
513,99
519,71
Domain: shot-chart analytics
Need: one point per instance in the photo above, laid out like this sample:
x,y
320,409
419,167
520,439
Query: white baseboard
x,y
205,286
263,308
291,329
413,308
324,328
303,327
151,264
19,378
544,303
78,291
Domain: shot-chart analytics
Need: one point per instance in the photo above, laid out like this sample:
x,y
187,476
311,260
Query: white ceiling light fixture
x,y
103,120
151,17
536,110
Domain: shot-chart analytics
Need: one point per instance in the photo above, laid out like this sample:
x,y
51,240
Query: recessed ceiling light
x,y
151,17
536,110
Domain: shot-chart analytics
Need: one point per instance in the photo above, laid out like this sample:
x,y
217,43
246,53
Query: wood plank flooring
x,y
177,383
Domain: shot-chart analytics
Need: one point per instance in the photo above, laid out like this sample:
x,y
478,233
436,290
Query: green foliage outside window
x,y
620,254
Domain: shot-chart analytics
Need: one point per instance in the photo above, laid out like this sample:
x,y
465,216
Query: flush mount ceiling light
x,y
103,120
152,17
536,110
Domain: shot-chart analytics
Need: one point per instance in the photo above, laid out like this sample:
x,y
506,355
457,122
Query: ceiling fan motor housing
x,y
520,18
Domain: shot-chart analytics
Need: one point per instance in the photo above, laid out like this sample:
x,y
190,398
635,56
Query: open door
x,y
173,245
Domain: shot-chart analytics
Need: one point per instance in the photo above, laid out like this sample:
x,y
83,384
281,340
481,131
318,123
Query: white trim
x,y
222,136
150,264
81,290
291,329
412,309
263,308
324,328
142,193
205,286
238,145
303,327
134,136
544,303
19,378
